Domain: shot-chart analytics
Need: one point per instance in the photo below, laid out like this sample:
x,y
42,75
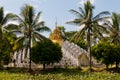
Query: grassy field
x,y
58,74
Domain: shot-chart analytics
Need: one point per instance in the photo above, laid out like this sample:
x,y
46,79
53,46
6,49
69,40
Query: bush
x,y
46,52
107,53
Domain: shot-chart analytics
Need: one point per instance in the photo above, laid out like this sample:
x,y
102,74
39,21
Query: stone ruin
x,y
71,53
21,59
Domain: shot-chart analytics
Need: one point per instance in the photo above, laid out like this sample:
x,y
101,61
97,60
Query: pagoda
x,y
56,36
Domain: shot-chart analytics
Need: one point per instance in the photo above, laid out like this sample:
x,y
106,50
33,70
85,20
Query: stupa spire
x,y
56,23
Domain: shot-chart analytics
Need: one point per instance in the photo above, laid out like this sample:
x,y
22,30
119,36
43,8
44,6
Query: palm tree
x,y
4,19
114,29
29,28
89,23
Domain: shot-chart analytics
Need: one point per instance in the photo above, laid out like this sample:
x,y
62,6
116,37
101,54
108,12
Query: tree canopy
x,y
46,52
106,53
90,24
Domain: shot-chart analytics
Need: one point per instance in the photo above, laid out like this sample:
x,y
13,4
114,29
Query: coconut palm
x,y
29,28
114,28
4,19
4,22
88,22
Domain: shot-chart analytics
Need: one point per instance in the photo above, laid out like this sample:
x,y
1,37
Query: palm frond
x,y
101,14
27,12
102,19
20,20
81,10
19,42
97,32
42,29
20,39
1,15
11,27
78,35
101,28
88,8
78,14
76,22
17,32
36,19
34,41
8,17
39,24
116,20
38,36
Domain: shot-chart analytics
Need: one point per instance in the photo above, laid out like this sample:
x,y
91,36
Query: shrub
x,y
46,52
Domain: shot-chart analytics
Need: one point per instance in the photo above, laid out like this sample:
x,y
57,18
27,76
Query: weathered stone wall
x,y
71,52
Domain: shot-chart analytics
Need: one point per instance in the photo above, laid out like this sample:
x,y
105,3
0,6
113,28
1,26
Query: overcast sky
x,y
52,9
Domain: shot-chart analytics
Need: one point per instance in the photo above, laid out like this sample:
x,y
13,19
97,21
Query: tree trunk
x,y
21,55
117,64
89,49
1,32
30,60
14,61
29,49
107,66
43,65
1,63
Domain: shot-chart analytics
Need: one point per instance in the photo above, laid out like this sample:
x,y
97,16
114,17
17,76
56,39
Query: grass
x,y
58,74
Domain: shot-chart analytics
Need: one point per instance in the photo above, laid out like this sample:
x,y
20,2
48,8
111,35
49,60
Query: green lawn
x,y
59,74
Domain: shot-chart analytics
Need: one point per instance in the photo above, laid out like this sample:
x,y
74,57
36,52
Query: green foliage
x,y
46,52
62,29
5,49
5,46
29,27
117,55
88,23
69,34
106,52
61,74
82,44
115,28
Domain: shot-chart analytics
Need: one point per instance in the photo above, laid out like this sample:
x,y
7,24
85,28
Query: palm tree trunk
x,y
21,55
30,49
89,48
30,60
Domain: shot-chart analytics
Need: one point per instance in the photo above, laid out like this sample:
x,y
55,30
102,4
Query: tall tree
x,y
4,19
88,22
114,28
29,28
